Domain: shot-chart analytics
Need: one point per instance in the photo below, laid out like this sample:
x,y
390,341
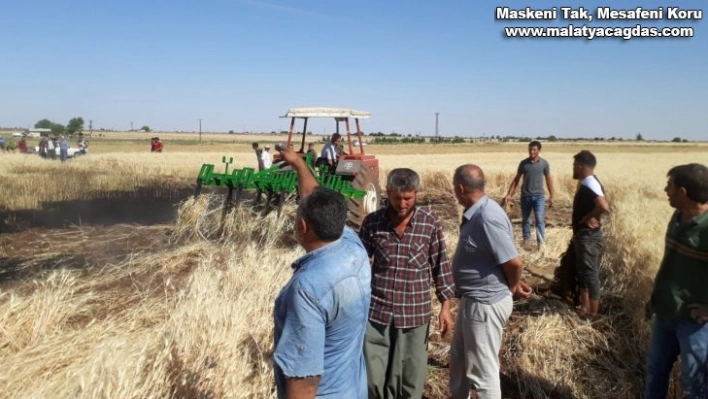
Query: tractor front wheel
x,y
368,180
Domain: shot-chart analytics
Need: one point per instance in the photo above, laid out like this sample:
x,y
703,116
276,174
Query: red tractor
x,y
353,173
354,165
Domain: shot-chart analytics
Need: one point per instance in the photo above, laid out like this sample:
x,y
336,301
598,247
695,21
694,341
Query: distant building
x,y
38,132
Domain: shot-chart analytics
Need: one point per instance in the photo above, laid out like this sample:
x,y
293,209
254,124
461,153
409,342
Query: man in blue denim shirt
x,y
321,313
533,197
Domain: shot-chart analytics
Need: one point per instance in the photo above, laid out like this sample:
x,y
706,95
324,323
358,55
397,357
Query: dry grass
x,y
191,315
28,180
204,218
188,321
121,142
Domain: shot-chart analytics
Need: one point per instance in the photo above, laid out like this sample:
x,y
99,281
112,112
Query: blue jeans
x,y
671,339
537,204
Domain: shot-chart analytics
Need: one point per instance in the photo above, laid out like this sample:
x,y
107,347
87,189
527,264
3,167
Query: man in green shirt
x,y
679,300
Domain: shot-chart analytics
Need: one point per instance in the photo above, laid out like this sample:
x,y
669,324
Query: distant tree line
x,y
392,138
417,140
75,125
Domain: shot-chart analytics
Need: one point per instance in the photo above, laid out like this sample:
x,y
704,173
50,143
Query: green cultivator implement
x,y
274,181
356,176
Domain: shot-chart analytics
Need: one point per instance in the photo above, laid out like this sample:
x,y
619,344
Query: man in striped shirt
x,y
679,300
407,251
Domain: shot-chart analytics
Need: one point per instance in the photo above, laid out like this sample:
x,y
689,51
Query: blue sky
x,y
240,64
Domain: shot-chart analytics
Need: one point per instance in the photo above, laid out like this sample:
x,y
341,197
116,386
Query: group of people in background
x,y
49,147
589,204
354,319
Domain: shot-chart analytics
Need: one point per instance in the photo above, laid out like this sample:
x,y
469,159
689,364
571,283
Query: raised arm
x,y
306,182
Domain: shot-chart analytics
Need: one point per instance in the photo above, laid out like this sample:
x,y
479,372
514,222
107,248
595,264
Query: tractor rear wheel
x,y
368,180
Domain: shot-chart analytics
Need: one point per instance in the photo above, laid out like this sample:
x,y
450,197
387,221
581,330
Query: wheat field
x,y
183,310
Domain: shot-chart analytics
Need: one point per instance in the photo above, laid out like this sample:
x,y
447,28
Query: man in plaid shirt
x,y
407,251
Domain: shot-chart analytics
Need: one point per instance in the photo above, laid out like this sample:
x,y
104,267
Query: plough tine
x,y
281,201
199,188
272,202
239,192
228,205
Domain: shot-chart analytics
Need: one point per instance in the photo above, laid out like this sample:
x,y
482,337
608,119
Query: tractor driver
x,y
329,151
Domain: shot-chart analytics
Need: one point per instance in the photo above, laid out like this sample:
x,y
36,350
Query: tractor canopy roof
x,y
326,113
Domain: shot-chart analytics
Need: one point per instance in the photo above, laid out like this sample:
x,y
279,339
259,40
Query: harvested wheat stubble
x,y
190,316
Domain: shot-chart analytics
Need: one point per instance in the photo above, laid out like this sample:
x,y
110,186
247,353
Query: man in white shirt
x,y
51,148
329,151
266,158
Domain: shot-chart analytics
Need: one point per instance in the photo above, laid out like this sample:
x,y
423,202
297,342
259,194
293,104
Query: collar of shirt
x,y
469,212
410,222
587,179
700,220
302,262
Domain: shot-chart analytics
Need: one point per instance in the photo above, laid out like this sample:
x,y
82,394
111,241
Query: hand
x,y
699,313
505,200
446,323
290,157
522,290
592,223
550,201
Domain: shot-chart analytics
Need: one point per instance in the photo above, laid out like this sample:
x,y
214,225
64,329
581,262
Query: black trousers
x,y
588,244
